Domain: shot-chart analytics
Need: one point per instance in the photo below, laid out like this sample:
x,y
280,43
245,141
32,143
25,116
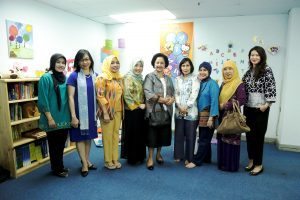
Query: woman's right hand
x,y
106,118
51,123
75,122
142,106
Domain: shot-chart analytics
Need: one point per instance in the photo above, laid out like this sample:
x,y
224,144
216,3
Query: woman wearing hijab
x,y
232,89
260,88
186,113
55,114
109,87
133,127
208,107
82,102
158,87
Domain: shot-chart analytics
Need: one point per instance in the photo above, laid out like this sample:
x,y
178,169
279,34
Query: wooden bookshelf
x,y
9,144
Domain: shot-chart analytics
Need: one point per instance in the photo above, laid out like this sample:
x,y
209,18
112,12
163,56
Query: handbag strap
x,y
236,108
154,105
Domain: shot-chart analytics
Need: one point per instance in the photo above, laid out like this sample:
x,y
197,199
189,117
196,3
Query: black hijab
x,y
57,77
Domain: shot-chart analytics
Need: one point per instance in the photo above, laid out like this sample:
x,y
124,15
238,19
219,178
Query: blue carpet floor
x,y
280,180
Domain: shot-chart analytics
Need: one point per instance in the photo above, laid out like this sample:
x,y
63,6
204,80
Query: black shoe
x,y
160,161
248,169
84,173
252,173
62,174
151,167
92,167
66,170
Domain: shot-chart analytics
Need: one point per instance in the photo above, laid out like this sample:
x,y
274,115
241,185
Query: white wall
x,y
290,107
53,31
143,40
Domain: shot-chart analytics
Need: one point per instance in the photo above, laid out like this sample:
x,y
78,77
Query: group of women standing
x,y
74,104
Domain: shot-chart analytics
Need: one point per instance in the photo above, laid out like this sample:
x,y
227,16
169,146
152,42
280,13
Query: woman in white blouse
x,y
186,115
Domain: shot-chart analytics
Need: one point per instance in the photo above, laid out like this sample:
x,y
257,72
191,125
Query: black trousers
x,y
56,142
258,123
204,147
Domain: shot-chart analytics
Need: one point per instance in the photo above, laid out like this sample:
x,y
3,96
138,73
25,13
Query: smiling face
x,y
203,73
138,68
185,68
85,62
159,64
254,58
228,72
114,65
60,65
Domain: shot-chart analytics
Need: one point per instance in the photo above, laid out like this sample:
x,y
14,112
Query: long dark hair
x,y
78,58
260,68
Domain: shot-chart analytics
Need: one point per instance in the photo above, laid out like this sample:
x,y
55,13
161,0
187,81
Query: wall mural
x,y
176,41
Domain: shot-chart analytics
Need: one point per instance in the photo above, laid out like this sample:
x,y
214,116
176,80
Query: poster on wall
x,y
19,39
176,41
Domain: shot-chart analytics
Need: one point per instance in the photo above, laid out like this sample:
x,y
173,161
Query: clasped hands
x,y
166,100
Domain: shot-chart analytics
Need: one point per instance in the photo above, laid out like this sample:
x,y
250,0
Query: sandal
x,y
118,165
109,166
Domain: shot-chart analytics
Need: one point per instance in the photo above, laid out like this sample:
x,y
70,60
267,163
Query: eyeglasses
x,y
85,60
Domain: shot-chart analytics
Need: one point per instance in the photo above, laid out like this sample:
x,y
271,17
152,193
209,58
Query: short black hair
x,y
79,55
184,60
160,55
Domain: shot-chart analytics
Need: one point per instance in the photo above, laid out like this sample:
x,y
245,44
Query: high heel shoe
x,y
150,167
160,161
84,173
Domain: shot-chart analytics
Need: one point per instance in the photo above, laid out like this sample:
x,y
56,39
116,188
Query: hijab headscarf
x,y
131,73
208,67
229,85
57,77
106,72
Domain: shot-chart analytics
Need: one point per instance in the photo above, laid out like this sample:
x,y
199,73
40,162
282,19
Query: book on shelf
x,y
25,90
31,152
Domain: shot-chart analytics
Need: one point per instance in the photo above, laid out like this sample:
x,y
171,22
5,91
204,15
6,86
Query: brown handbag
x,y
234,122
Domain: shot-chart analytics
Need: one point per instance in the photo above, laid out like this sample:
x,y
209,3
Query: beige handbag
x,y
234,122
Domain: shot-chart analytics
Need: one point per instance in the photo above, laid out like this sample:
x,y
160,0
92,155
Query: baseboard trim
x,y
287,147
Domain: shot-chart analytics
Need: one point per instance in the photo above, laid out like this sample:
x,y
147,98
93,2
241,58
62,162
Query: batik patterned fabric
x,y
261,90
133,92
186,93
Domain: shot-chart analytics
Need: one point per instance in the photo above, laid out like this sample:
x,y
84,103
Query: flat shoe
x,y
92,167
118,165
190,165
248,169
252,173
109,166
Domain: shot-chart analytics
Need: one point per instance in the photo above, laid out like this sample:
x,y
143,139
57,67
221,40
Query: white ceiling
x,y
99,10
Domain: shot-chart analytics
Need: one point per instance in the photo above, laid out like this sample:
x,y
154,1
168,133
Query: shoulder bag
x,y
234,122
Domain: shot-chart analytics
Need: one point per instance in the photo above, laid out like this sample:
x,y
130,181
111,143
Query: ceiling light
x,y
144,16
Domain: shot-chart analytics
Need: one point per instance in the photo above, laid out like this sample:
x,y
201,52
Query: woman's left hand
x,y
263,107
210,124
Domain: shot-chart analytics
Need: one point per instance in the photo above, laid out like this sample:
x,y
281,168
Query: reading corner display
x,y
23,146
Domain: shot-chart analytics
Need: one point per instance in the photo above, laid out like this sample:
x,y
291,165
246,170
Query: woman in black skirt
x,y
158,89
133,133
